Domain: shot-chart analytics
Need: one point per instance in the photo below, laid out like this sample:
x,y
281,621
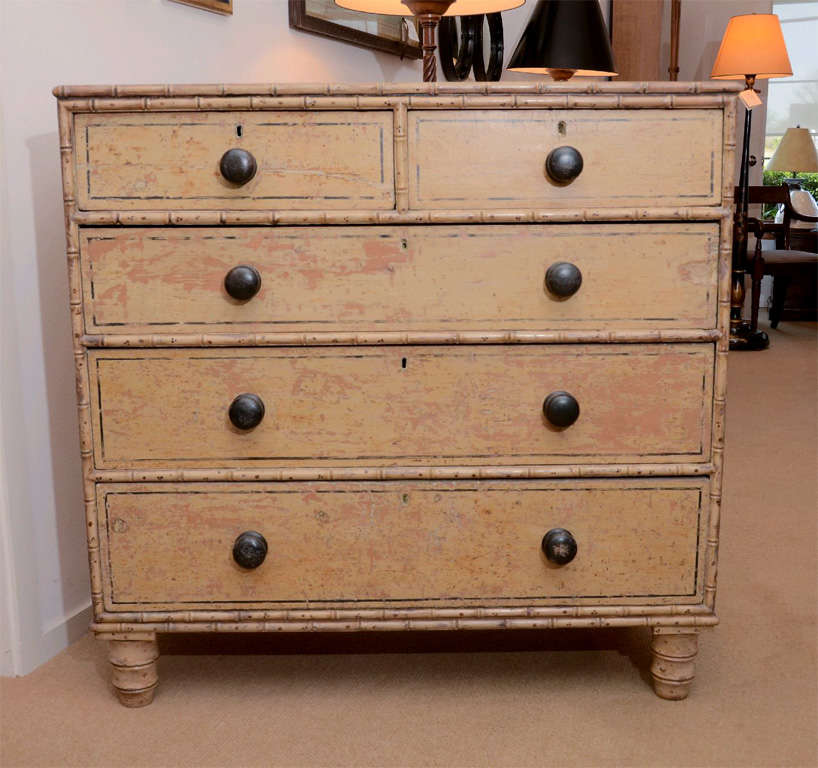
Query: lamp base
x,y
744,339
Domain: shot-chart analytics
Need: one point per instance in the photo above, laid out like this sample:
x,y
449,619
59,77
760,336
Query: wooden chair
x,y
783,263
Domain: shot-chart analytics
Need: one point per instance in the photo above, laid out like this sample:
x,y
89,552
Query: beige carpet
x,y
561,698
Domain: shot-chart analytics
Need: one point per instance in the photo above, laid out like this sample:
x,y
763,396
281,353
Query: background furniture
x,y
785,263
371,357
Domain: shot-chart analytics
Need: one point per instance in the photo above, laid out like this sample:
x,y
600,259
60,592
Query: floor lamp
x,y
752,49
429,13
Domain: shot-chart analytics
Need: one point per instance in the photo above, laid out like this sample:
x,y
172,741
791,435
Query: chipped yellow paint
x,y
325,279
405,544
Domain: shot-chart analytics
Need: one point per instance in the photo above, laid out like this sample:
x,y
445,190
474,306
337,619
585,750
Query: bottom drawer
x,y
424,543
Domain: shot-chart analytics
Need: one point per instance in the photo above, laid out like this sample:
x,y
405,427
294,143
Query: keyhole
x,y
404,243
403,363
239,131
561,128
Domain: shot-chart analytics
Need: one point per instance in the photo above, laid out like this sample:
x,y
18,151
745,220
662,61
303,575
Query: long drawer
x,y
325,160
423,405
418,278
401,544
496,158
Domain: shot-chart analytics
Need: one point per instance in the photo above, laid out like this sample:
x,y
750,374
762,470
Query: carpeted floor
x,y
561,698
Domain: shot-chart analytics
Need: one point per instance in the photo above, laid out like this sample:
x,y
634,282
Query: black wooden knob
x,y
238,166
246,411
563,164
563,279
242,282
561,409
250,549
559,546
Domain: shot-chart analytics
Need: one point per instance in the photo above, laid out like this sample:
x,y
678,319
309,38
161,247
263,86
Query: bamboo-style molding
x,y
391,89
173,218
398,338
66,134
500,612
720,364
364,103
534,472
105,629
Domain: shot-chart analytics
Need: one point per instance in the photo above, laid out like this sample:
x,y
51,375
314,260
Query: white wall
x,y
43,574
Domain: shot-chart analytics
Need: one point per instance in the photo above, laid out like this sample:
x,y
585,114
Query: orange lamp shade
x,y
753,44
457,8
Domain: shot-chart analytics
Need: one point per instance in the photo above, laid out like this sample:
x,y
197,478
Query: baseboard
x,y
56,636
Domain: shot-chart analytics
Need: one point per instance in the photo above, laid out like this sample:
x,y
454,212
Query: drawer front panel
x,y
326,160
401,544
399,278
496,158
401,405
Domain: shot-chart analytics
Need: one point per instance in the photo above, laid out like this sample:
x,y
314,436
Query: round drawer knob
x,y
246,411
559,546
561,409
250,549
242,282
563,164
563,279
238,166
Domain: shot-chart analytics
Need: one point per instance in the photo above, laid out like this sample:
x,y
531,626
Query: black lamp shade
x,y
568,36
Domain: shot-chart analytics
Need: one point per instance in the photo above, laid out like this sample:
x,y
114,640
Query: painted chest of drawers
x,y
440,357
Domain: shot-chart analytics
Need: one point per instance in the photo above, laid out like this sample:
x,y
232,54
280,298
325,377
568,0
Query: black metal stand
x,y
742,336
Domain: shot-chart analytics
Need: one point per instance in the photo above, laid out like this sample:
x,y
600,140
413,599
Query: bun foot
x,y
674,662
134,670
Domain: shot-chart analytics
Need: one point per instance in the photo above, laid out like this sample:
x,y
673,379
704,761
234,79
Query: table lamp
x,y
795,153
429,13
565,38
752,48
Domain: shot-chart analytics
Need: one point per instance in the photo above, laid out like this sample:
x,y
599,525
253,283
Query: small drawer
x,y
383,405
283,160
353,279
400,544
497,158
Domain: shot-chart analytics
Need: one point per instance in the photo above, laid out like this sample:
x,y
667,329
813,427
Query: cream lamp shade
x,y
795,153
457,8
753,44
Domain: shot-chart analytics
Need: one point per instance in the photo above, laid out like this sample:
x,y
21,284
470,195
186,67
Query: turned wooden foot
x,y
674,662
134,670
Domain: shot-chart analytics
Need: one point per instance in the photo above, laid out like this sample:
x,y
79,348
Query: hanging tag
x,y
750,98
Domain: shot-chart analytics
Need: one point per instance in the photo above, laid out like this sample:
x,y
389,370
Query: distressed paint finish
x,y
645,157
661,167
336,279
401,405
401,544
137,162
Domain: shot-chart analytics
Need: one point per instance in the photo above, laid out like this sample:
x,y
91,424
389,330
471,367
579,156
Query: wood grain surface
x,y
496,158
328,279
308,161
403,544
401,405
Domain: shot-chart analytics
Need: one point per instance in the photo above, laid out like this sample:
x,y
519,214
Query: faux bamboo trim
x,y
385,625
66,134
722,347
403,614
425,102
172,218
169,91
401,473
398,338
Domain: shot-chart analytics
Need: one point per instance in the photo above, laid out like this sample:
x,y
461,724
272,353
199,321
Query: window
x,y
793,100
